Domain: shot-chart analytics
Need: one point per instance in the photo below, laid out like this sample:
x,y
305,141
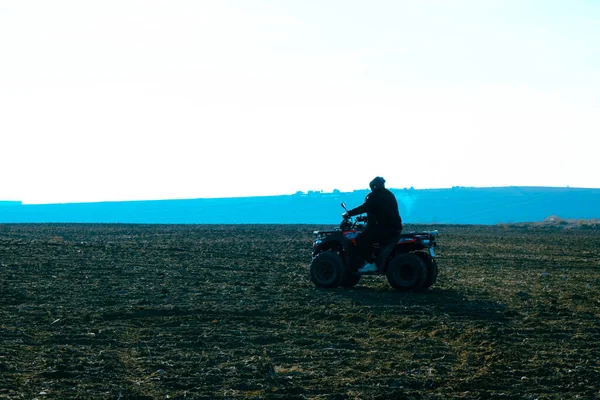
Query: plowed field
x,y
160,311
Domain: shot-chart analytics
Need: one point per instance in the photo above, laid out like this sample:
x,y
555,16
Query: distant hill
x,y
457,205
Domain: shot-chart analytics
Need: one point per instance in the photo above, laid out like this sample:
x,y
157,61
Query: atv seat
x,y
392,240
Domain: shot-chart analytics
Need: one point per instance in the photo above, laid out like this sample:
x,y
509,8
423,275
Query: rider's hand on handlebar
x,y
345,215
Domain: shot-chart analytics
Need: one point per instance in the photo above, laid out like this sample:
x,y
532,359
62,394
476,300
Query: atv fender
x,y
384,256
329,243
335,242
395,245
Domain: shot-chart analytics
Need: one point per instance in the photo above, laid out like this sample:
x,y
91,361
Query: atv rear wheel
x,y
406,272
327,270
432,269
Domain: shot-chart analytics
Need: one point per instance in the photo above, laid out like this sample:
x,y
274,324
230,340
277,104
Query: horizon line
x,y
297,193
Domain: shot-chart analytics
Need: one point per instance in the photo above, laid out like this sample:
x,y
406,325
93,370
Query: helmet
x,y
377,183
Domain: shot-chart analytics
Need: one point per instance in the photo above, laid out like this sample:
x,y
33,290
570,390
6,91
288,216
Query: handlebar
x,y
359,218
348,223
348,220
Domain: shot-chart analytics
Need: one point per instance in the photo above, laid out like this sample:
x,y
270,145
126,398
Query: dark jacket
x,y
382,211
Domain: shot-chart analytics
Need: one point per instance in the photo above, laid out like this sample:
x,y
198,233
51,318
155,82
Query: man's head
x,y
377,183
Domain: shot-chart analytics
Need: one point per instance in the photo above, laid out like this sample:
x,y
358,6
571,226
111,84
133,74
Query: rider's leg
x,y
365,241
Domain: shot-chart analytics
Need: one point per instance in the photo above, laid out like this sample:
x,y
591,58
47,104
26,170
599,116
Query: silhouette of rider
x,y
383,221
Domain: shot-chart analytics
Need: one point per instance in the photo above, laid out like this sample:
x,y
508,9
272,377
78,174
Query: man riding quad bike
x,y
383,221
407,260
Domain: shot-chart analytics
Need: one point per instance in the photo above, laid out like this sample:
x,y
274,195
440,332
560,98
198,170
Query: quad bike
x,y
407,260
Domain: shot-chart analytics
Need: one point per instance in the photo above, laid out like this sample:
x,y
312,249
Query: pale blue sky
x,y
120,100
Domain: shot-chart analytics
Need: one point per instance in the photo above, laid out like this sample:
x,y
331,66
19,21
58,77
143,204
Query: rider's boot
x,y
368,267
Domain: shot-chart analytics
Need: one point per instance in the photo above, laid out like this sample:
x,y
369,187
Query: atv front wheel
x,y
406,272
327,270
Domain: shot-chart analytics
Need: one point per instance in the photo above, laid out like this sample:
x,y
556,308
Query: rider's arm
x,y
363,208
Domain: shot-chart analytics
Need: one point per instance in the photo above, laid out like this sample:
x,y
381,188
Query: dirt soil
x,y
175,311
